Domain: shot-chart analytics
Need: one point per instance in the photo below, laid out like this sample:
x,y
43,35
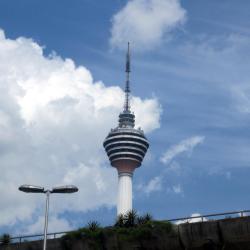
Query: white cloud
x,y
186,145
173,167
192,220
155,184
145,23
55,225
53,120
177,189
241,94
220,61
141,107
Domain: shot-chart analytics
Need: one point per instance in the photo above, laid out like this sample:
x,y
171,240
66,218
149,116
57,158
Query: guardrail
x,y
20,239
242,213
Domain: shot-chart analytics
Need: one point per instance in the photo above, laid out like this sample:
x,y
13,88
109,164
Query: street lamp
x,y
36,189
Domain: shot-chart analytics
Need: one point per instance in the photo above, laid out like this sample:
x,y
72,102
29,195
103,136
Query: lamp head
x,y
31,189
65,189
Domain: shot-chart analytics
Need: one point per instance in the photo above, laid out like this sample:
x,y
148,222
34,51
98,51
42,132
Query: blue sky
x,y
192,66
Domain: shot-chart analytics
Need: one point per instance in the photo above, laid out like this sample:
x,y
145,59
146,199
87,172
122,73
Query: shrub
x,y
93,226
142,233
130,218
164,225
5,239
93,231
128,228
148,217
120,221
142,220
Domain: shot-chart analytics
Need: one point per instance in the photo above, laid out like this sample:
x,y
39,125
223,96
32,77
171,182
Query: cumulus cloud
x,y
53,120
186,145
55,224
140,107
146,23
192,220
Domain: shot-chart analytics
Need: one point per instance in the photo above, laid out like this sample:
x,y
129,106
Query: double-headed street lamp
x,y
36,189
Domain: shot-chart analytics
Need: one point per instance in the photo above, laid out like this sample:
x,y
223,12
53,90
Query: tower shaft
x,y
124,202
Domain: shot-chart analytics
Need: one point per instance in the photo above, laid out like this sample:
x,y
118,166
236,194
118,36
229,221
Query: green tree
x,y
131,218
120,221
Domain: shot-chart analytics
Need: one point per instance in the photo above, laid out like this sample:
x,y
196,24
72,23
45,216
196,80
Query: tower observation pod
x,y
126,147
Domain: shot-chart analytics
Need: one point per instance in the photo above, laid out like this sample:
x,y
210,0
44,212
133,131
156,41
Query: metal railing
x,y
242,213
20,239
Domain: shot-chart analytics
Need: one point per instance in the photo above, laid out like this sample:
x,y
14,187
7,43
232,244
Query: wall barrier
x,y
242,213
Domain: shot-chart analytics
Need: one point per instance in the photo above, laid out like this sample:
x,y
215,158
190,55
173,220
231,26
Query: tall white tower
x,y
126,148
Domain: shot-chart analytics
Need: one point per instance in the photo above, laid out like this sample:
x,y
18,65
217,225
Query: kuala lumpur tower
x,y
126,147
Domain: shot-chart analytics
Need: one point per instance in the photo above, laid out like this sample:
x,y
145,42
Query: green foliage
x,y
5,239
165,226
130,218
68,239
148,217
128,228
126,234
142,233
142,220
93,226
93,232
120,221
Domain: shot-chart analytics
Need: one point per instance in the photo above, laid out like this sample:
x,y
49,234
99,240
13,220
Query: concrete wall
x,y
34,245
227,234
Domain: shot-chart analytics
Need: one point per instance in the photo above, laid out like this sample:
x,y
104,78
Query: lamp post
x,y
36,189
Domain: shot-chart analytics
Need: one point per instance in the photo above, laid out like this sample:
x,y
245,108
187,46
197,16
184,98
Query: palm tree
x,y
93,225
131,217
141,220
148,217
120,221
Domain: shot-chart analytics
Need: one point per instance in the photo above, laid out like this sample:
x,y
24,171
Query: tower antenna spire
x,y
127,87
